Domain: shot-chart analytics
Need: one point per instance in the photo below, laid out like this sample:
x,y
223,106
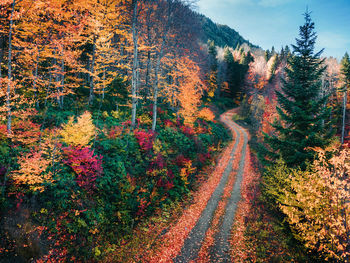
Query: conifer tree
x,y
213,73
302,115
267,55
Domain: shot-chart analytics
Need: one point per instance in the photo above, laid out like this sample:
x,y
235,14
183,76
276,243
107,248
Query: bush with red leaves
x,y
145,139
85,164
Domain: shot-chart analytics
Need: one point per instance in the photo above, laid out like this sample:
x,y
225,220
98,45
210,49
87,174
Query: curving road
x,y
220,250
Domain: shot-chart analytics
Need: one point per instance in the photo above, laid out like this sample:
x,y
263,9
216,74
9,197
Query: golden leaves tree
x,y
79,133
318,205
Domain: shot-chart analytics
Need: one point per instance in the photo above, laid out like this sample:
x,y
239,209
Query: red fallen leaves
x,y
173,240
239,249
203,255
85,164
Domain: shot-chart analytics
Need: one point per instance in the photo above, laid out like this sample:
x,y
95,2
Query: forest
x,y
142,131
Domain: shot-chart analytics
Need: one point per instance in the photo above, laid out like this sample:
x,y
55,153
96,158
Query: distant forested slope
x,y
222,35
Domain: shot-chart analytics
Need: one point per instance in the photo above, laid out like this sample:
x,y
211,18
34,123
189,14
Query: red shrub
x,y
168,123
159,162
145,139
115,132
85,164
181,160
187,130
203,157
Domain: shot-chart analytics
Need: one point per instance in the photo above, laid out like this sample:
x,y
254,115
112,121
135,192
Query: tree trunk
x,y
156,80
148,70
344,115
148,63
155,91
9,65
57,78
2,46
104,84
48,88
62,83
135,63
36,91
92,70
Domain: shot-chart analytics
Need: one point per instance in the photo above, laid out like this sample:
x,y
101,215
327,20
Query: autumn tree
x,y
190,88
160,54
9,82
135,65
106,29
319,213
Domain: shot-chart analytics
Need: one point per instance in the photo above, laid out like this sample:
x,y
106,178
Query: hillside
x,y
222,35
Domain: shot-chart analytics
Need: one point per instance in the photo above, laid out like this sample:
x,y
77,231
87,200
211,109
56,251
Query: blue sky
x,y
270,23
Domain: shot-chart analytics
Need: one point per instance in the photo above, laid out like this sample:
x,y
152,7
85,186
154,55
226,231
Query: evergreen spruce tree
x,y
273,51
303,117
267,55
212,77
231,74
247,58
235,72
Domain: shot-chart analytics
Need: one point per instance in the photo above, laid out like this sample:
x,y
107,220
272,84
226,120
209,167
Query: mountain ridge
x,y
222,35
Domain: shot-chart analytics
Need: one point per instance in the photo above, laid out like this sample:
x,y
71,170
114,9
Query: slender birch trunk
x,y
92,71
135,63
36,91
345,100
48,88
156,80
1,54
155,89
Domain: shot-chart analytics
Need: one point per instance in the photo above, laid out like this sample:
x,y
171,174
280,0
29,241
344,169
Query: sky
x,y
268,23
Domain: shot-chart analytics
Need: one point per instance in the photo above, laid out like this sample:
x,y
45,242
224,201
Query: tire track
x,y
221,247
194,241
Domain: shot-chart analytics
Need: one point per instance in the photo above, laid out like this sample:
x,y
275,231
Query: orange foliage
x,y
206,114
32,171
190,89
25,132
187,171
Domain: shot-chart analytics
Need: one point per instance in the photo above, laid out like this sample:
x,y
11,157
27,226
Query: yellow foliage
x,y
187,171
206,114
318,207
115,114
157,146
145,119
32,171
212,84
79,133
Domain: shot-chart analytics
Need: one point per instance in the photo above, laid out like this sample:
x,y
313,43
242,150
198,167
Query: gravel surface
x,y
220,250
194,241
